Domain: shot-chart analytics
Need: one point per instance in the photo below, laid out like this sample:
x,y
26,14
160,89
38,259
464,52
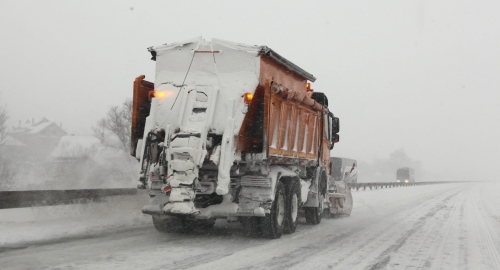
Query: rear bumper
x,y
152,209
214,211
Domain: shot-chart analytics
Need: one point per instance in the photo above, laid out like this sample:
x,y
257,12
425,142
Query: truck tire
x,y
326,213
314,214
272,224
167,225
190,225
207,224
292,203
251,225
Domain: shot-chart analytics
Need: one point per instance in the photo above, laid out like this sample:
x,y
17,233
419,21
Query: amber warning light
x,y
248,97
160,94
308,85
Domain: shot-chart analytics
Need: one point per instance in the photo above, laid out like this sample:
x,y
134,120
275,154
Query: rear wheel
x,y
292,202
167,224
272,224
190,225
326,213
207,224
251,225
314,214
171,224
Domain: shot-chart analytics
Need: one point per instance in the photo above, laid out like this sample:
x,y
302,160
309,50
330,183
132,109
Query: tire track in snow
x,y
487,242
303,249
378,247
384,258
463,244
23,245
453,239
441,232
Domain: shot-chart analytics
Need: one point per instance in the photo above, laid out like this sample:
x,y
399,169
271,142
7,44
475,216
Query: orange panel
x,y
283,125
311,128
250,137
292,128
269,68
274,125
139,99
304,130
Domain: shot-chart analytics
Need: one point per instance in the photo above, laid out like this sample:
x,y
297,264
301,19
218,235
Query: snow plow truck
x,y
231,131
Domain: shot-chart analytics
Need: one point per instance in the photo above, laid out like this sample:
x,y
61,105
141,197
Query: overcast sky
x,y
418,75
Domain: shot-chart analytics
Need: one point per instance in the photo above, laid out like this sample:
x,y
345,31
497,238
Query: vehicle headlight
x,y
398,181
406,181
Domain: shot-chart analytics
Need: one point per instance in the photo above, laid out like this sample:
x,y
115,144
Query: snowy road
x,y
446,226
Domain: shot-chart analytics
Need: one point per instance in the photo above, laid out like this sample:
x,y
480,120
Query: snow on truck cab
x,y
231,131
405,175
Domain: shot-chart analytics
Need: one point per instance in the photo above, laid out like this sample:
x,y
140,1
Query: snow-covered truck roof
x,y
222,68
249,48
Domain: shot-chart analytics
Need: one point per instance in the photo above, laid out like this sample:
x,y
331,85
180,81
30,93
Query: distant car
x,y
405,175
344,169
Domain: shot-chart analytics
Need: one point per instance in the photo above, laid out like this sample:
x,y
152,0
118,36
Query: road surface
x,y
445,226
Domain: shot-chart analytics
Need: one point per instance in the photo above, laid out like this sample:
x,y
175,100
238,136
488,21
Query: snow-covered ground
x,y
445,226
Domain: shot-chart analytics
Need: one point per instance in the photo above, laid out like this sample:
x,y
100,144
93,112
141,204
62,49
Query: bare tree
x,y
3,123
114,129
7,170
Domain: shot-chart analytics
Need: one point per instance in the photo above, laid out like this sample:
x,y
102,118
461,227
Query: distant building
x,y
13,149
34,141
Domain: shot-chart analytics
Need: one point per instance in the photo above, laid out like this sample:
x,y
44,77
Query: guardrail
x,y
30,198
357,186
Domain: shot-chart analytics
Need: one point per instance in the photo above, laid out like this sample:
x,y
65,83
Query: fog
x,y
417,77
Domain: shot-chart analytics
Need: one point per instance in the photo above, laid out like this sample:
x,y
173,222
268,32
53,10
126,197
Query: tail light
x,y
160,94
248,97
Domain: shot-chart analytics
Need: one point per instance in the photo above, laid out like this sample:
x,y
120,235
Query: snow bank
x,y
53,222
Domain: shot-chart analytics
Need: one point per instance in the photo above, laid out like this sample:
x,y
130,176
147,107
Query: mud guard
x,y
316,186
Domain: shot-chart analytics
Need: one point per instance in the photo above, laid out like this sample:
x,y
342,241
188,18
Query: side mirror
x,y
336,125
336,138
